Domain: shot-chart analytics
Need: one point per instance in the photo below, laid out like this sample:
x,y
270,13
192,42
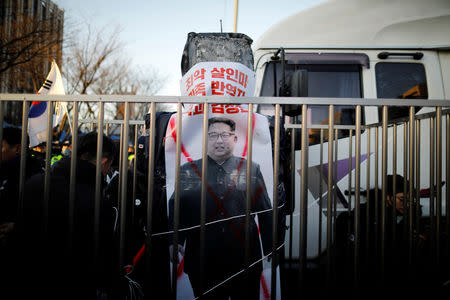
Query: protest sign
x,y
218,78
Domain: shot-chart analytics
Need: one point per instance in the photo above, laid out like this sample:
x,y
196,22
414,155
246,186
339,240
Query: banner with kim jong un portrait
x,y
223,257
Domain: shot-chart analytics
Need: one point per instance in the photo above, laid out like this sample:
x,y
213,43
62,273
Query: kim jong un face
x,y
221,141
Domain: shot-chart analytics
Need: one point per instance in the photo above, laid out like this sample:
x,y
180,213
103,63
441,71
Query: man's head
x,y
87,150
41,148
221,138
11,143
399,195
66,148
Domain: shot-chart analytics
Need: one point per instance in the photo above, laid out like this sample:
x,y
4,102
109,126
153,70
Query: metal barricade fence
x,y
295,262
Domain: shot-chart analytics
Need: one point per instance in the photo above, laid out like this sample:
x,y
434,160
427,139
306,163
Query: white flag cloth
x,y
38,115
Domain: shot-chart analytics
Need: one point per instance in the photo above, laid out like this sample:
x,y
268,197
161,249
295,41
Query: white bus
x,y
358,49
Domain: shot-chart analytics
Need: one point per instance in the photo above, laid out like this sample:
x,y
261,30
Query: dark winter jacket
x,y
9,184
57,262
226,207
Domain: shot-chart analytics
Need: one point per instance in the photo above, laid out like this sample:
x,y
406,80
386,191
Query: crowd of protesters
x,y
57,244
60,245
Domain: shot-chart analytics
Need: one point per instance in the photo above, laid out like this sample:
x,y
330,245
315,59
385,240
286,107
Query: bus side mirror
x,y
296,86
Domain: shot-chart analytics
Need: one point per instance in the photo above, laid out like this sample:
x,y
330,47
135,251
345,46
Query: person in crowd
x,y
39,151
374,246
66,149
9,187
56,152
60,259
152,274
225,212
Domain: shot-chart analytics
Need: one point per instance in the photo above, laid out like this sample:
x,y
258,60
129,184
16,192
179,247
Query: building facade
x,y
31,37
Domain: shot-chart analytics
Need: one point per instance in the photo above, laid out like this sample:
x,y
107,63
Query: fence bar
x,y
405,184
366,258
447,186
324,126
411,183
321,191
417,191
25,109
292,194
394,185
150,190
204,180
107,123
121,154
376,206
383,191
335,198
98,180
357,199
73,172
176,214
123,183
276,167
1,127
229,100
303,199
329,191
135,162
432,191
350,164
438,183
248,184
48,158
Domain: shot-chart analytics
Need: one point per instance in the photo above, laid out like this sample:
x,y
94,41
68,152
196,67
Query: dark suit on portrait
x,y
224,240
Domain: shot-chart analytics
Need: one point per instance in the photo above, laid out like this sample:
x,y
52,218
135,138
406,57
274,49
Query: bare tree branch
x,y
28,38
97,64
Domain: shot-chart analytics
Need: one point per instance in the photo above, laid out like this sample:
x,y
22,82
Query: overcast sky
x,y
155,32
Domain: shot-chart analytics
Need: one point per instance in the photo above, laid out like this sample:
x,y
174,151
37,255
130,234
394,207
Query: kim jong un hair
x,y
229,122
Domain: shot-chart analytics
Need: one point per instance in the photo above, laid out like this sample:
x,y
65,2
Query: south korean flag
x,y
38,114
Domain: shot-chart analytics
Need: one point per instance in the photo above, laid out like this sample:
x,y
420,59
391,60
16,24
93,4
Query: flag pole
x,y
68,118
235,15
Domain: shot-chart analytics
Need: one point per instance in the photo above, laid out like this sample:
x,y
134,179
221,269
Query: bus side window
x,y
326,81
400,81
